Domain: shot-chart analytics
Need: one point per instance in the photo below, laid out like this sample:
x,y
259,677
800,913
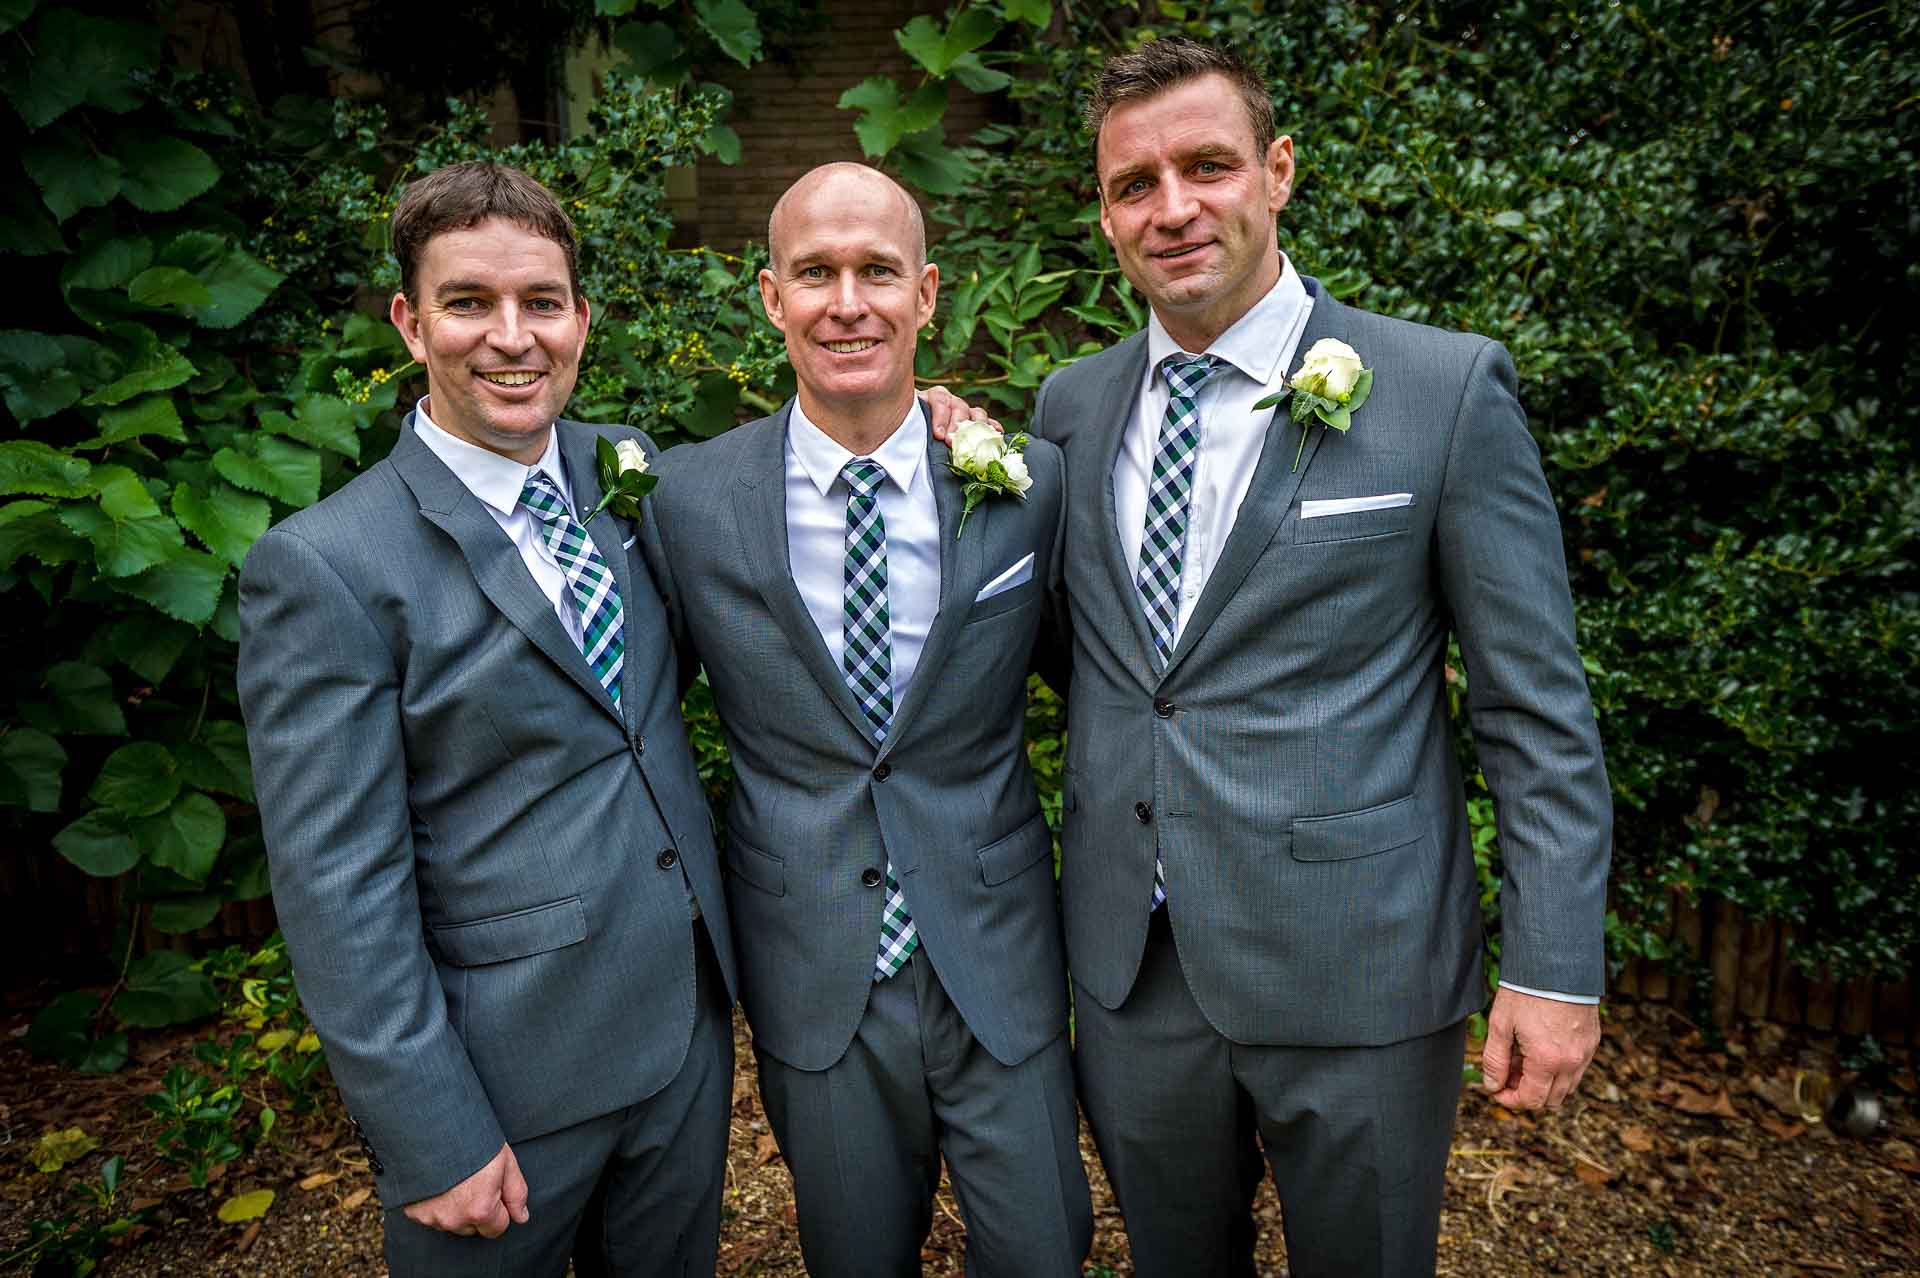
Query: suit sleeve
x,y
653,548
1504,575
320,692
1053,649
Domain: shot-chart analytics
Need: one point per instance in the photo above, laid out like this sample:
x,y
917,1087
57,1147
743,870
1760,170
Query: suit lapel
x,y
760,505
583,477
492,557
1270,493
1119,401
959,571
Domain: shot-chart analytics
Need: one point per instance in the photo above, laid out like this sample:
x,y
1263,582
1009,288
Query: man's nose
x,y
848,302
1175,204
509,332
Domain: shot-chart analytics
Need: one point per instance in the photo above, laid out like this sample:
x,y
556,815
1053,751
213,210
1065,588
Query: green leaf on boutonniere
x,y
623,478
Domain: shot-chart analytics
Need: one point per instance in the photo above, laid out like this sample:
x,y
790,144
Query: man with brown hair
x,y
1271,906
491,852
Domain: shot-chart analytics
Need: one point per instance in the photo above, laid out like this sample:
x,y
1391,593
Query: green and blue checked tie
x,y
589,581
866,659
1163,544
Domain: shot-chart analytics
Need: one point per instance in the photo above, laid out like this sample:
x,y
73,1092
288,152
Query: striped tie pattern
x,y
866,659
1163,544
589,581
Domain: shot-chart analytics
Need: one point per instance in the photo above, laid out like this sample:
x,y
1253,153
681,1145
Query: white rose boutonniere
x,y
1331,384
624,478
988,464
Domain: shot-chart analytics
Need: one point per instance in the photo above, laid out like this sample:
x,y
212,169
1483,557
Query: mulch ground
x,y
1679,1156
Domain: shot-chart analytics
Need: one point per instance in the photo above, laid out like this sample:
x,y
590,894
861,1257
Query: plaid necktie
x,y
589,581
1163,544
866,659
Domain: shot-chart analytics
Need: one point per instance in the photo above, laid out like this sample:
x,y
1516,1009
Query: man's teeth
x,y
852,348
511,379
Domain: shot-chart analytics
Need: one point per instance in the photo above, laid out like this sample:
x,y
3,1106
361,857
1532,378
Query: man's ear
x,y
770,299
407,321
929,292
1279,173
586,322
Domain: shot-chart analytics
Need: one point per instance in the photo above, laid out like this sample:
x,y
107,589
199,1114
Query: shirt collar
x,y
822,457
498,481
1254,343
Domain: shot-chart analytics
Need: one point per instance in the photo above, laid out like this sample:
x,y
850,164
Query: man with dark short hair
x,y
491,852
867,640
1271,906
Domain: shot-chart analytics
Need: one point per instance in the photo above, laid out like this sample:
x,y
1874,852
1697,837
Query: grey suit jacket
x,y
476,856
818,804
1293,762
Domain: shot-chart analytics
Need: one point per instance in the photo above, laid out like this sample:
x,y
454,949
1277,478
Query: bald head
x,y
836,182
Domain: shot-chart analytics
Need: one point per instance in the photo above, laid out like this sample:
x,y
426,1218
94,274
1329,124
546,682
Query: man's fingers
x,y
495,1222
1496,1053
513,1191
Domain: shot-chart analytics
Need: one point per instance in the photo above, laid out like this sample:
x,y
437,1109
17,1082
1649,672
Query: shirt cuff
x,y
1555,995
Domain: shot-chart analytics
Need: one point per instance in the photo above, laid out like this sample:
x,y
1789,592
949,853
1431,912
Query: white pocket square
x,y
1018,575
1352,505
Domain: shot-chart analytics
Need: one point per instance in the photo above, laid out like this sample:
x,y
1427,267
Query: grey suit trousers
x,y
1357,1136
864,1138
630,1194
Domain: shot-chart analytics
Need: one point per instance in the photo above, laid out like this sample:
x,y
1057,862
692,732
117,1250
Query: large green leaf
x,y
936,49
324,421
33,529
35,376
30,764
71,175
159,174
732,26
83,700
151,365
612,8
282,470
652,49
29,466
239,283
15,12
186,587
186,838
99,843
885,119
929,163
168,286
25,226
217,759
976,75
122,547
1035,13
185,913
123,492
164,989
79,59
138,779
63,1031
154,415
111,261
149,646
226,520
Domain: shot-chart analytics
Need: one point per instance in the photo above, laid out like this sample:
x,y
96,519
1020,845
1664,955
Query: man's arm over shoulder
x,y
1053,647
1503,570
319,688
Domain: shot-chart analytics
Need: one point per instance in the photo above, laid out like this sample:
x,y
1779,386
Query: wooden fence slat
x,y
1687,930
1725,963
1855,1015
1823,1001
1628,983
1891,1001
1758,941
1786,1006
1654,983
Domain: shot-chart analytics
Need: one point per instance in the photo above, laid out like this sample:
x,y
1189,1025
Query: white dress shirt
x,y
498,482
1258,351
817,535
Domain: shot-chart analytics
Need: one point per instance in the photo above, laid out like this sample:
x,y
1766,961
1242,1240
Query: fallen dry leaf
x,y
318,1179
246,1240
1785,1131
1637,1138
1692,1100
765,1149
1589,1174
354,1199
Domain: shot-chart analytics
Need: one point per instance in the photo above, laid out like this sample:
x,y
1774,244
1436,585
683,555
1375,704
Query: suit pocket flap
x,y
762,869
1004,858
511,936
1345,835
1355,525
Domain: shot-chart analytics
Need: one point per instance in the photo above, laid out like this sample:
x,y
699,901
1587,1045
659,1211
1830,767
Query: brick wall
x,y
788,121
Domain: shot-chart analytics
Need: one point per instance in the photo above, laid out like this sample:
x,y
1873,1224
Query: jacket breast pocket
x,y
1355,525
762,869
1005,602
1005,858
1365,832
515,935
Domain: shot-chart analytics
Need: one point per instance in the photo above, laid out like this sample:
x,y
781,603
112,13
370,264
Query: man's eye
x,y
813,273
1134,187
1206,168
879,270
464,304
545,305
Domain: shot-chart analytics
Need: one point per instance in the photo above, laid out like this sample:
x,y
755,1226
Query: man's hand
x,y
947,410
1537,1048
484,1203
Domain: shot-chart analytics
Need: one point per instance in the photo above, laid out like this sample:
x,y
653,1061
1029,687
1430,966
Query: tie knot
x,y
542,497
1186,373
864,476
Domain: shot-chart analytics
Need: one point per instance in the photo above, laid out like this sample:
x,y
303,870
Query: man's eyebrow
x,y
1192,155
885,257
452,288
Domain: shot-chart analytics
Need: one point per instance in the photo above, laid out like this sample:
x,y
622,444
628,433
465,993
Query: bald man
x,y
891,873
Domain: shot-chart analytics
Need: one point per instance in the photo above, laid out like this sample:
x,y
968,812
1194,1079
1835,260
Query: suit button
x,y
871,877
881,771
667,859
1163,707
1143,812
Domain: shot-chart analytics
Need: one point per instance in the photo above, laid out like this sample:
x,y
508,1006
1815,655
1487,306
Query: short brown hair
x,y
460,196
1165,64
